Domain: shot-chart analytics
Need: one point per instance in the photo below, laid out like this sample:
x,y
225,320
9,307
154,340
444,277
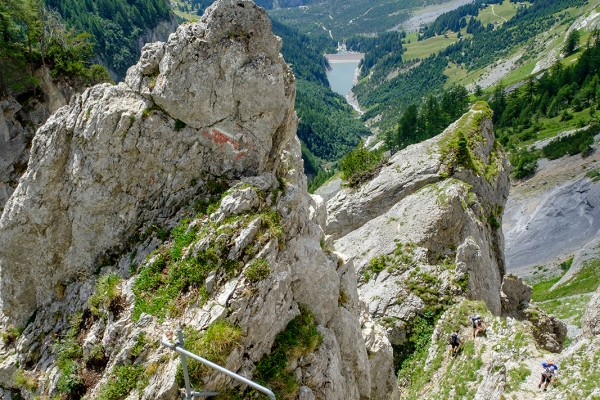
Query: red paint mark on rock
x,y
240,155
221,138
151,180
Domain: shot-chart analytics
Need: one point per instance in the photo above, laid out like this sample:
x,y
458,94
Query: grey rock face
x,y
427,220
13,148
115,158
590,324
535,227
515,292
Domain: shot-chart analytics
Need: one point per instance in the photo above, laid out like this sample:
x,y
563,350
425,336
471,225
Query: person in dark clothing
x,y
455,342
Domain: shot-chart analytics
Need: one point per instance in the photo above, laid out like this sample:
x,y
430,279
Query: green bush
x,y
179,125
258,270
123,379
524,163
10,334
360,164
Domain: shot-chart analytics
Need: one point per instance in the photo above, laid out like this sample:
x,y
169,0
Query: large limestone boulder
x,y
427,227
515,294
215,100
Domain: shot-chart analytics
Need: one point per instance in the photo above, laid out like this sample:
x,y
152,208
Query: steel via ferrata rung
x,y
183,353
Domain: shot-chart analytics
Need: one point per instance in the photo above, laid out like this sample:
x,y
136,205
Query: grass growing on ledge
x,y
106,292
258,270
68,351
215,344
168,284
123,380
516,376
414,374
299,338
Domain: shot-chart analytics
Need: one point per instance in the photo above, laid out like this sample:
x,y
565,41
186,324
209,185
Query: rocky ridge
x,y
438,205
200,141
424,234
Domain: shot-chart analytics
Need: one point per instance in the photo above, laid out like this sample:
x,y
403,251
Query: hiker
x,y
478,325
455,342
549,370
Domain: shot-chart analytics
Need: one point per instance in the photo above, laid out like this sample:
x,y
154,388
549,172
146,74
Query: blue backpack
x,y
546,365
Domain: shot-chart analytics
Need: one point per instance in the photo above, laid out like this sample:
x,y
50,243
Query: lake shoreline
x,y
344,58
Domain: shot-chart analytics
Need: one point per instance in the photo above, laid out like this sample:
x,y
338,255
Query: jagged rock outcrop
x,y
590,324
548,331
199,139
116,157
515,294
426,228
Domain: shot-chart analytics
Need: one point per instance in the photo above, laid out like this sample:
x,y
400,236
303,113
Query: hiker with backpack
x,y
549,373
478,325
455,341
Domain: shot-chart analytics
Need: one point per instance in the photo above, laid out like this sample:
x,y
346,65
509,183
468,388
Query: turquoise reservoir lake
x,y
341,76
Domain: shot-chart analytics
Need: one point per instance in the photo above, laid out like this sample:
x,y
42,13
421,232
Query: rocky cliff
x,y
437,206
425,235
178,197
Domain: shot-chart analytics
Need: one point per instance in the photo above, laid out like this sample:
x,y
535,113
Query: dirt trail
x,y
494,12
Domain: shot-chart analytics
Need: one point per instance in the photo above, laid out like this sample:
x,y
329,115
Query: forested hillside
x,y
114,25
563,95
408,81
33,36
328,127
197,7
344,18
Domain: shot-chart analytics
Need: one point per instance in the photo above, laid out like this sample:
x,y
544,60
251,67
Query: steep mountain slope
x,y
123,258
436,204
553,214
341,19
425,237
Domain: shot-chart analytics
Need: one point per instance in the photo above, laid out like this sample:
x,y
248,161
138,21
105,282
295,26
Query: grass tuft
x,y
106,292
123,379
215,344
258,270
299,338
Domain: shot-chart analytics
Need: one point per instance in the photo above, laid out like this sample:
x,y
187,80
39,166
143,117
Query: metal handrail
x,y
178,347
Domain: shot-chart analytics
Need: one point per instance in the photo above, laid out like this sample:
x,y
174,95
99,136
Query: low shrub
x,y
360,164
123,379
258,270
